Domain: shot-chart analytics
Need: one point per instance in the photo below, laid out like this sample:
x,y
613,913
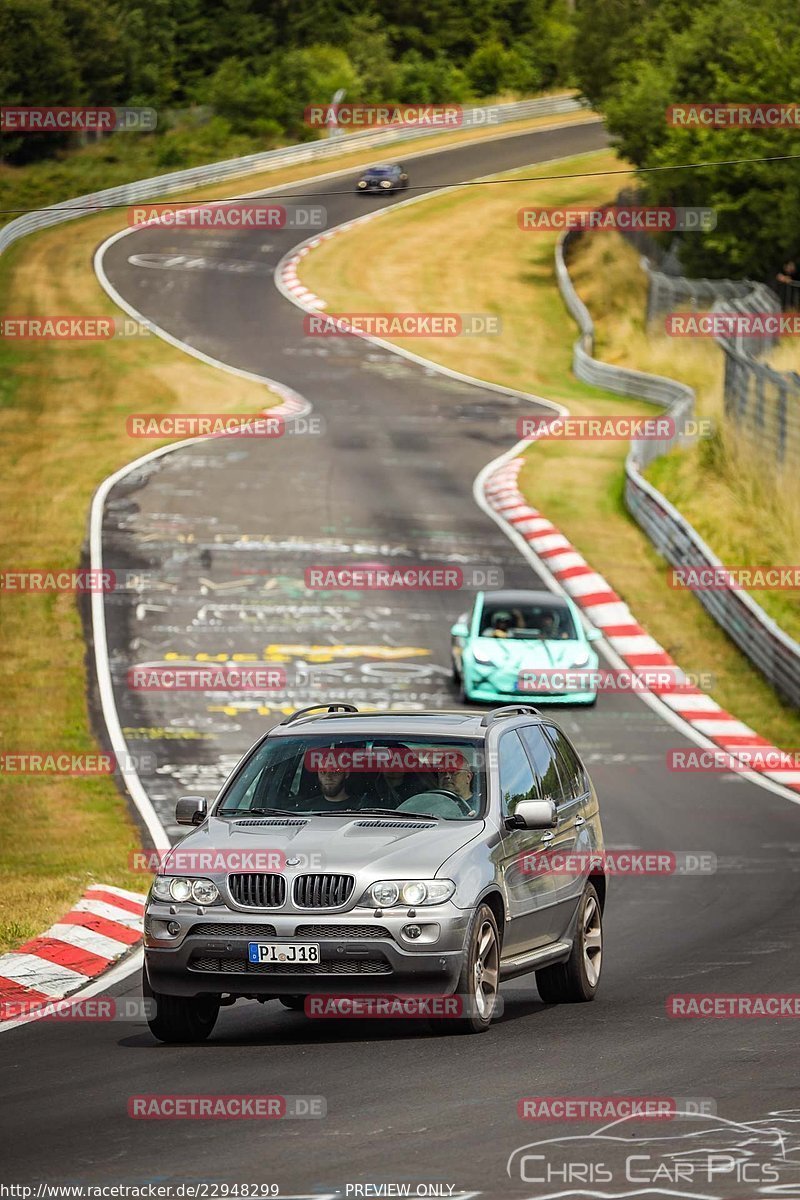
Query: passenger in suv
x,y
451,892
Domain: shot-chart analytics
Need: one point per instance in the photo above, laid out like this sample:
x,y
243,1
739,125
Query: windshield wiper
x,y
368,812
259,812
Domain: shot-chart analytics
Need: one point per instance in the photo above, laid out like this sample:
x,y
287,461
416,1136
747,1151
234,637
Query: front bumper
x,y
359,953
500,691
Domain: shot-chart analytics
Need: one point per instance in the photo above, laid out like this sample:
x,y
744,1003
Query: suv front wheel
x,y
479,980
179,1018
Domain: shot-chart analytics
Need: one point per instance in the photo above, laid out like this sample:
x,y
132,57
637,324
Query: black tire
x,y
477,1014
179,1018
293,1003
455,674
576,981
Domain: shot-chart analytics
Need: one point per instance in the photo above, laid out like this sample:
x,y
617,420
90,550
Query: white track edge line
x,y
668,715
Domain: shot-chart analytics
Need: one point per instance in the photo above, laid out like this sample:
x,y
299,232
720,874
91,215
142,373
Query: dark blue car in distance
x,y
387,177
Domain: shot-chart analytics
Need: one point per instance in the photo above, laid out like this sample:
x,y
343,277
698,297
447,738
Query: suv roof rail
x,y
509,710
331,708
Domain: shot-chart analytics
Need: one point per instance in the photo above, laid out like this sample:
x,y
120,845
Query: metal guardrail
x,y
236,168
761,402
757,635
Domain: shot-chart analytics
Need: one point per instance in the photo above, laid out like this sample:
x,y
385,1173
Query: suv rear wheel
x,y
179,1018
479,981
577,979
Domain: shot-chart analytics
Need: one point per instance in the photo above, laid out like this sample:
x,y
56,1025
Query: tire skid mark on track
x,y
686,708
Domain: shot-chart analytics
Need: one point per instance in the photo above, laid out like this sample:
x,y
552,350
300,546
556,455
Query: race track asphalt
x,y
224,531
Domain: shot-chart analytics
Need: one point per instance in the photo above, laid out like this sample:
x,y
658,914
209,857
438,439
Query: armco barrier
x,y
771,650
235,168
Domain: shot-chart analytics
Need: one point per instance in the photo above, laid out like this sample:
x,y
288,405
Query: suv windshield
x,y
335,776
548,621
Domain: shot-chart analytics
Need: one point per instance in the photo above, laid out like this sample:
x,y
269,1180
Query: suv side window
x,y
572,774
543,756
516,777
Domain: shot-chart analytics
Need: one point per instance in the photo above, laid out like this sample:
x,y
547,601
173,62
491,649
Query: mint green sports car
x,y
524,644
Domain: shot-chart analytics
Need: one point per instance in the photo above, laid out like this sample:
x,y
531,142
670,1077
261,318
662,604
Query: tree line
x,y
250,68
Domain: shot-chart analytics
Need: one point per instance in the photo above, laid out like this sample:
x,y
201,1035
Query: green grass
x,y
63,408
462,251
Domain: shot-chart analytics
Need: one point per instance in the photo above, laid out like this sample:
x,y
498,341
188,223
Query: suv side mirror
x,y
594,635
534,814
191,810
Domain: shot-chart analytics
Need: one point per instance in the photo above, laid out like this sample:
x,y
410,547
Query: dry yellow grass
x,y
747,514
62,425
463,252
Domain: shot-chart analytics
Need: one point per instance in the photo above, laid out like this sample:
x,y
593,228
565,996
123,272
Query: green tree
x,y
37,67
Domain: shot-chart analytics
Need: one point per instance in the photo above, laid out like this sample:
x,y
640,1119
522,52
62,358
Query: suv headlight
x,y
181,890
581,658
412,892
483,655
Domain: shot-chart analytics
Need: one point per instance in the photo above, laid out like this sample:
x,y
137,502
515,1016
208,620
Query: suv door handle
x,y
580,821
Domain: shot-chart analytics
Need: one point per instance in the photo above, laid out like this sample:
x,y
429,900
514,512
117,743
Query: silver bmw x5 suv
x,y
382,854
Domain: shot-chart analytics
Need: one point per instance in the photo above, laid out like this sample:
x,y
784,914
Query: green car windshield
x,y
410,777
553,622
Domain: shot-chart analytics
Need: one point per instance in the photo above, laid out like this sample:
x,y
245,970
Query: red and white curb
x,y
689,708
294,405
104,924
627,638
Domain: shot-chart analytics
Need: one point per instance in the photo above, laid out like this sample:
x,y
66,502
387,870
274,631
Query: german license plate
x,y
283,952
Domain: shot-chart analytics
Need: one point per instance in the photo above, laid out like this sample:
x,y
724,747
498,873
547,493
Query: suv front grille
x,y
323,891
342,932
328,966
258,891
233,930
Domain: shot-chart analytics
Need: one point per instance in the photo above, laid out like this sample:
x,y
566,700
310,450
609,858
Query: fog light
x,y
173,928
412,932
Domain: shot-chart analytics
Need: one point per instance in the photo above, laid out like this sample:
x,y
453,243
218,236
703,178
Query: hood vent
x,y
380,824
270,821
